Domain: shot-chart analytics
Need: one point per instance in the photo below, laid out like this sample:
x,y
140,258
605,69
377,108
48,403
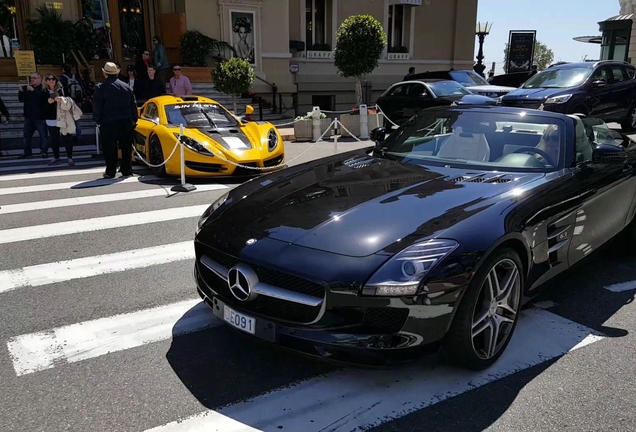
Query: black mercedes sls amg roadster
x,y
433,238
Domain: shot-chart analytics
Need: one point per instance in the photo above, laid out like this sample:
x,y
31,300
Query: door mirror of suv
x,y
609,154
378,134
599,83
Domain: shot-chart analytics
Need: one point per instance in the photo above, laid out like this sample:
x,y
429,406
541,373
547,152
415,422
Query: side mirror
x,y
609,154
249,110
599,83
378,134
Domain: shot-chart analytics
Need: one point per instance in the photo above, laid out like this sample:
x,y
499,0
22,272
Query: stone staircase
x,y
11,134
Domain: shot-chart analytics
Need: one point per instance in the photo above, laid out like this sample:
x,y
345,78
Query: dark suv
x,y
604,89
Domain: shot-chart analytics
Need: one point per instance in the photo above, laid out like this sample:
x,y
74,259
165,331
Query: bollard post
x,y
315,115
335,136
97,149
183,187
364,123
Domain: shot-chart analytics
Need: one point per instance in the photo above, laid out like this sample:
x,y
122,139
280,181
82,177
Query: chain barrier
x,y
165,161
334,125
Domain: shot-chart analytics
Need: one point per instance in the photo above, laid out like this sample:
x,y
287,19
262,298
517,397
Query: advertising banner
x,y
521,50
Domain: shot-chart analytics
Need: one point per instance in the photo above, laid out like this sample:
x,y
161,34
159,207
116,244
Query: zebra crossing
x,y
99,317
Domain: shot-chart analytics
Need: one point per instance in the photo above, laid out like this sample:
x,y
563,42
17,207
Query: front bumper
x,y
307,318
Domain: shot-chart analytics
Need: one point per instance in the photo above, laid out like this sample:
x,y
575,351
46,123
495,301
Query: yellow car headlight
x,y
272,140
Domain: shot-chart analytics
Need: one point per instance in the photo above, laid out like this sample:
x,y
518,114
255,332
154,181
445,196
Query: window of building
x,y
316,25
399,28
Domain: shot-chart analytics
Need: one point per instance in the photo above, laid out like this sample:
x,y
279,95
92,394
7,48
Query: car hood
x,y
359,205
470,99
230,138
490,89
533,94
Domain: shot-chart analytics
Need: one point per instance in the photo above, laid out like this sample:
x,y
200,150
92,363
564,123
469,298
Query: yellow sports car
x,y
216,142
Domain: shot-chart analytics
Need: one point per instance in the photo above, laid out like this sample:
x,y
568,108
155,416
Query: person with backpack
x,y
72,87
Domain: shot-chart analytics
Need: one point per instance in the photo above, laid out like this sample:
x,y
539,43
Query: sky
x,y
557,22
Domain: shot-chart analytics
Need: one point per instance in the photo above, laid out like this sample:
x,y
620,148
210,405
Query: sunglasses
x,y
177,70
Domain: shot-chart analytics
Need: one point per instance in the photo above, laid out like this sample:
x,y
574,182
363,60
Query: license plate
x,y
240,321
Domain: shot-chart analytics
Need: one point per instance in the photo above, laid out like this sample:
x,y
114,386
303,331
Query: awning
x,y
589,39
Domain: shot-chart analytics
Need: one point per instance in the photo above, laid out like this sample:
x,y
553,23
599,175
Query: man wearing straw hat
x,y
115,112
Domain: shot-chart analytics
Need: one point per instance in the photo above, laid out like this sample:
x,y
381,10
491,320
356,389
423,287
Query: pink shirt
x,y
181,86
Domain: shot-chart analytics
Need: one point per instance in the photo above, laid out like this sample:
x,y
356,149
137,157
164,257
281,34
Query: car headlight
x,y
558,99
192,144
272,140
210,210
403,273
499,100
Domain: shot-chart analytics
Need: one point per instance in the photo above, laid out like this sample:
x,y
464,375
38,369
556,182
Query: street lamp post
x,y
482,30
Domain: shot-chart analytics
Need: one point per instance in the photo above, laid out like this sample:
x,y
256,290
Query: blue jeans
x,y
30,126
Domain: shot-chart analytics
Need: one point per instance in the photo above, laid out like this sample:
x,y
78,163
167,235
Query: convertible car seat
x,y
465,145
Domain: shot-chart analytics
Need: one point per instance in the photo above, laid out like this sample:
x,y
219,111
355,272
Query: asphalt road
x,y
101,329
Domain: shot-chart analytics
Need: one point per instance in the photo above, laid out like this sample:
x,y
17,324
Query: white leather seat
x,y
464,145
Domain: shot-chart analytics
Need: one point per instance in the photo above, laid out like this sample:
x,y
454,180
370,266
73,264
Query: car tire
x,y
629,124
470,348
156,156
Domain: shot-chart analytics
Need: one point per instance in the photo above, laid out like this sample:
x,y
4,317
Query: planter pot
x,y
352,123
304,129
196,74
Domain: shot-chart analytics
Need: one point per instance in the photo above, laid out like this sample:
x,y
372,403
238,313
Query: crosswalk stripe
x,y
47,174
359,399
76,342
96,199
622,286
78,185
97,224
79,268
9,162
35,167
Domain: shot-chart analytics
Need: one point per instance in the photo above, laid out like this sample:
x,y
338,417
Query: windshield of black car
x,y
558,78
448,88
199,115
468,78
470,139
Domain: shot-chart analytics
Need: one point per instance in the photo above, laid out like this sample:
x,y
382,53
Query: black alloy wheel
x,y
156,156
488,313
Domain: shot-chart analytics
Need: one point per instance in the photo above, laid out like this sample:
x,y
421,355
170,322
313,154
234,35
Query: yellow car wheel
x,y
156,155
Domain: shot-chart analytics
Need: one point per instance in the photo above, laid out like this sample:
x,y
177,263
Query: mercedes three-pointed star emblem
x,y
242,279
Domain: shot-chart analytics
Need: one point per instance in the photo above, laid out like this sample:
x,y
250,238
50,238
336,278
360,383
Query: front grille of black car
x,y
263,305
520,103
387,320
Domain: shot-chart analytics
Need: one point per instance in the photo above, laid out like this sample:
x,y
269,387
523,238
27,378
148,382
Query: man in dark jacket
x,y
115,112
34,117
153,86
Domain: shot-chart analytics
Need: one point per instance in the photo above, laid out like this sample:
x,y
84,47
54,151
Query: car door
x,y
148,119
607,193
393,101
418,98
600,100
621,91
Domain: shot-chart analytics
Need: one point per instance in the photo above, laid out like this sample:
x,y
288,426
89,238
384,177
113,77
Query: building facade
x,y
289,42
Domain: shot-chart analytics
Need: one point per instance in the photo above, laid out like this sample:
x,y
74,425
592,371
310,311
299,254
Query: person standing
x,y
115,112
160,59
34,115
153,87
180,84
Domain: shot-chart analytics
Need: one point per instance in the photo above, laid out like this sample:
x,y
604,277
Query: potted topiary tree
x,y
196,49
234,76
360,40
